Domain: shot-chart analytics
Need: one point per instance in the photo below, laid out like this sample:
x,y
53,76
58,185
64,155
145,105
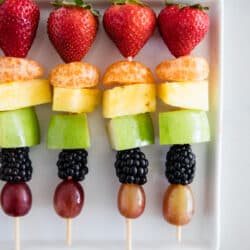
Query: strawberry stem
x,y
75,3
183,5
1,1
122,2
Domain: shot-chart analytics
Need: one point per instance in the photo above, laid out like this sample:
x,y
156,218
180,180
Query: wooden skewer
x,y
178,233
128,234
130,58
68,232
17,233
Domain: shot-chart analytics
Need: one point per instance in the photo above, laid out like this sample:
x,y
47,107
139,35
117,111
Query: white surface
x,y
235,195
101,185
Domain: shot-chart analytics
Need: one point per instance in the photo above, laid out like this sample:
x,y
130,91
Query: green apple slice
x,y
183,127
19,128
127,132
68,132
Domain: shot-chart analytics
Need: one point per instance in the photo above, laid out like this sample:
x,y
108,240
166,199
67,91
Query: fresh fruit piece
x,y
183,27
74,75
128,132
183,127
129,24
189,95
125,73
131,166
18,69
185,68
21,94
131,200
68,132
18,24
16,199
16,165
178,205
68,199
180,165
129,100
76,100
73,164
72,29
19,128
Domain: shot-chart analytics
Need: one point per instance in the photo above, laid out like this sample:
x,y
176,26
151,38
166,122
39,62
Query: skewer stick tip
x,y
130,58
17,233
69,232
178,233
128,234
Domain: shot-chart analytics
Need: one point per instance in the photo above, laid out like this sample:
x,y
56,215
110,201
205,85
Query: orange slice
x,y
18,69
126,73
74,75
186,68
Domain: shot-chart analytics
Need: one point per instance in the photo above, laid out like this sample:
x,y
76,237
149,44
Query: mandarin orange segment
x,y
19,69
126,73
186,68
74,75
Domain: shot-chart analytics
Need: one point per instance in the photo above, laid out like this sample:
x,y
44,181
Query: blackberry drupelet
x,y
73,164
131,166
15,165
180,165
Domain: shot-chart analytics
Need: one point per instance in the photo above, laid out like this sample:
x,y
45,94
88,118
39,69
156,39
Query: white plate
x,y
100,226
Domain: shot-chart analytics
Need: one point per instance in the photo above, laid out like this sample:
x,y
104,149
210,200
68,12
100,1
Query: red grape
x,y
68,199
131,200
16,199
178,204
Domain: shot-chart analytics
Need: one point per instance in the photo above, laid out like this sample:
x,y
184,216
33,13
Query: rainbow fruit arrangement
x,y
128,102
21,88
129,97
72,29
184,87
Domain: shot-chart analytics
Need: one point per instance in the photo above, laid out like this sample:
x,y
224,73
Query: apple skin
x,y
183,127
19,128
68,132
127,132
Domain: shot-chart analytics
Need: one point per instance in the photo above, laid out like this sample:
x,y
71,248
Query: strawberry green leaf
x,y
1,1
75,3
180,5
122,2
199,6
183,5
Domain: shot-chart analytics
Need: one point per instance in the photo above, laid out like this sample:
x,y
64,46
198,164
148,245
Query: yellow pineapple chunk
x,y
76,100
129,100
189,95
21,94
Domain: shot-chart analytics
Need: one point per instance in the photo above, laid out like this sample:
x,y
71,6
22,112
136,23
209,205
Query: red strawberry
x,y
72,29
129,24
18,24
183,27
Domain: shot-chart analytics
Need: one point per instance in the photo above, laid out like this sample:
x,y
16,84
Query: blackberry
x,y
131,166
73,164
180,165
15,165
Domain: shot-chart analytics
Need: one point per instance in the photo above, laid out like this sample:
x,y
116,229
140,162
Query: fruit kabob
x,y
72,28
128,101
185,87
20,89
